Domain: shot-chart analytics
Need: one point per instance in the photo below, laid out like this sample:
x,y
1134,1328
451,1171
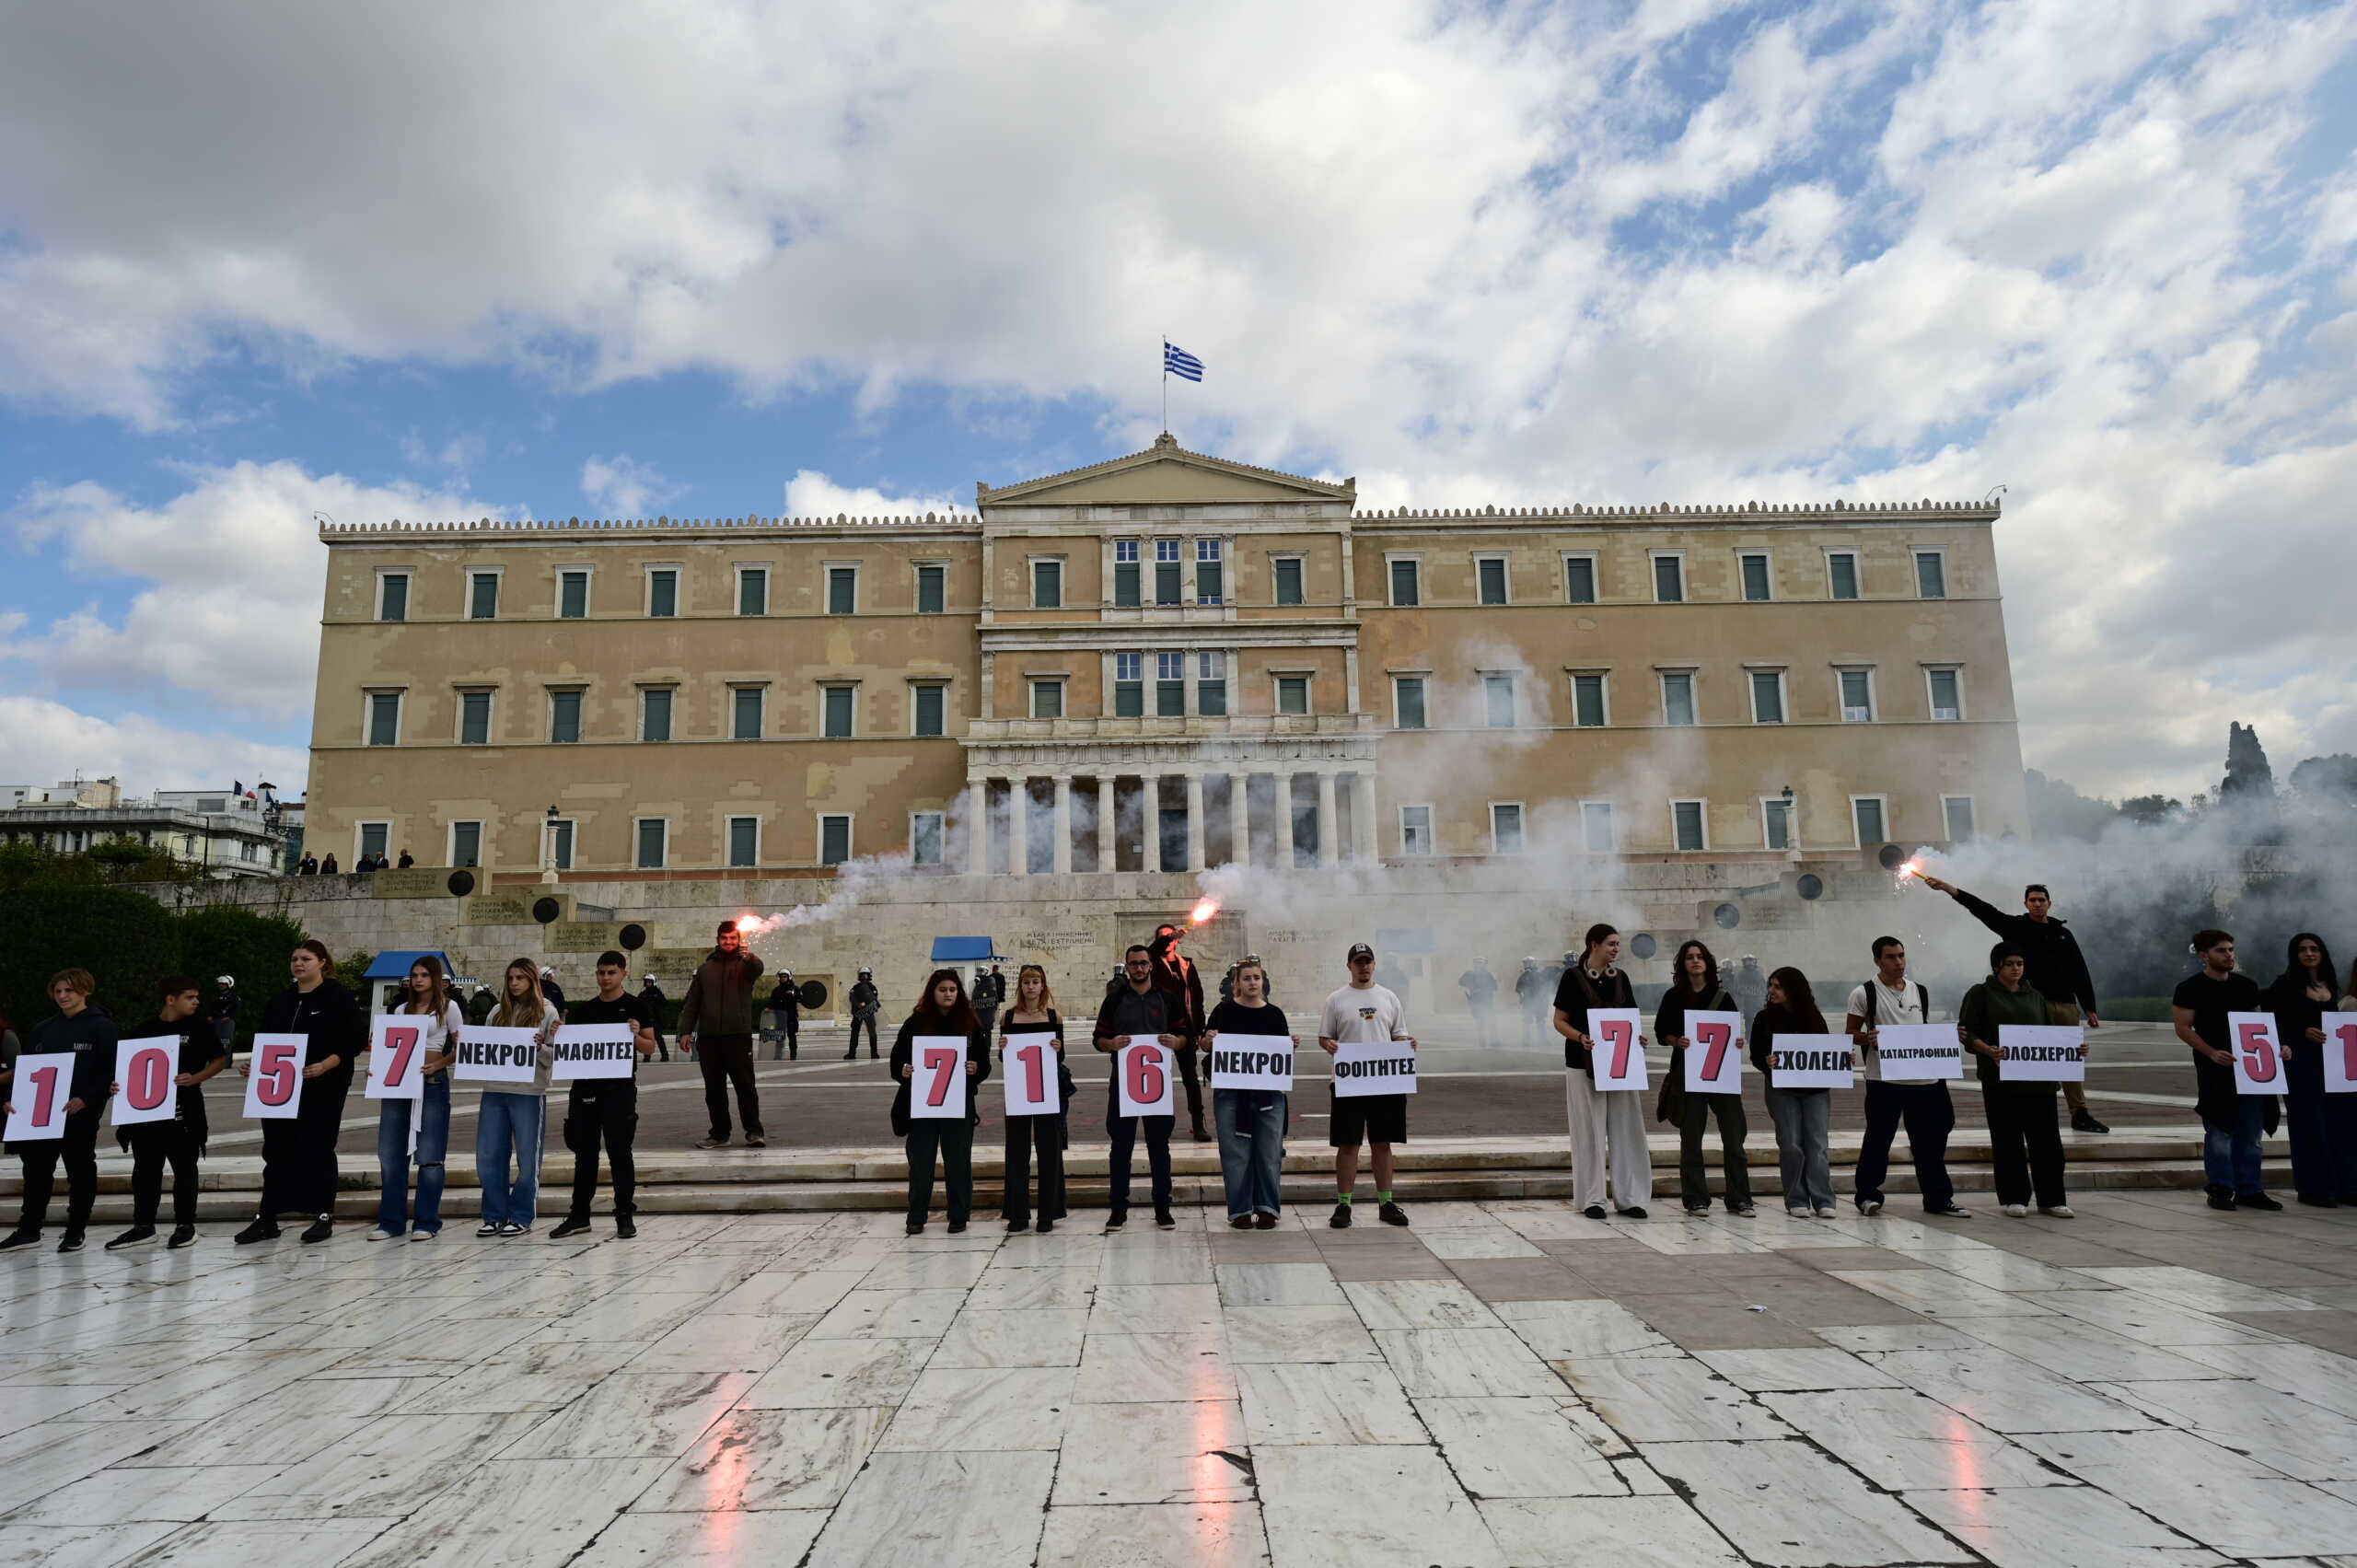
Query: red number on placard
x,y
1035,1073
274,1067
2258,1053
1620,1034
402,1044
148,1082
1715,1039
941,1062
44,1094
2347,1035
1146,1079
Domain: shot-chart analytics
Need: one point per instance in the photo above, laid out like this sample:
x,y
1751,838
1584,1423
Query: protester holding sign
x,y
1364,1012
1251,1122
942,1012
1694,987
1139,1011
177,1140
1896,1094
1042,1133
298,1152
2232,1122
2324,1126
2025,1140
419,1129
512,1118
606,1109
88,1035
1608,1125
1804,1118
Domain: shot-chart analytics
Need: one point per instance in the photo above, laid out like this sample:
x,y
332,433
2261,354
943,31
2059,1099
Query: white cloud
x,y
622,486
812,495
48,741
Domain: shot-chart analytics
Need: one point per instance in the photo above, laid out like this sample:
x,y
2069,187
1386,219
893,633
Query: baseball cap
x,y
1360,950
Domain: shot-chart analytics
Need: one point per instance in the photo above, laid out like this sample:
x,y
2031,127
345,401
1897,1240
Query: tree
x,y
2248,778
2330,780
2151,810
2059,811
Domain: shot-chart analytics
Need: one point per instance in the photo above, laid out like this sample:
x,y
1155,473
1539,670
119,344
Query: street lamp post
x,y
548,849
1792,829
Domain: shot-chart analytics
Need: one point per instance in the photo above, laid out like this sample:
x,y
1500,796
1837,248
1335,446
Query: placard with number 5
x,y
143,1077
1030,1075
39,1091
1714,1060
396,1056
2339,1049
2258,1053
937,1088
1142,1073
1616,1059
274,1089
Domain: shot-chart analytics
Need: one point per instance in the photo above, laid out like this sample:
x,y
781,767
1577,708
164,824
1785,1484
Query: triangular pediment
x,y
1164,474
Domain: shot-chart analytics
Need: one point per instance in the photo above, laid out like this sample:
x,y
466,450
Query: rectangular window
x,y
932,706
376,838
1687,826
1292,693
1776,823
1757,587
1125,574
572,594
1170,685
1957,810
384,718
1867,817
564,717
482,596
924,838
746,702
1587,701
1670,579
1931,575
744,841
1169,572
1129,686
843,590
1489,578
1416,829
392,595
834,839
1288,572
1497,701
654,842
1768,696
560,833
1047,699
1506,828
474,718
654,714
466,843
1211,683
663,592
932,589
752,590
1677,697
1047,584
1596,825
1841,566
1407,589
1211,575
1406,702
836,706
1857,696
1948,693
1579,579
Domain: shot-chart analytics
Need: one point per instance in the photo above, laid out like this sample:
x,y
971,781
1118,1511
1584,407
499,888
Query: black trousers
x,y
1025,1133
1123,1130
1929,1117
298,1155
154,1144
1187,1075
1694,1122
602,1111
792,1031
2025,1143
79,1151
857,1024
726,1059
953,1140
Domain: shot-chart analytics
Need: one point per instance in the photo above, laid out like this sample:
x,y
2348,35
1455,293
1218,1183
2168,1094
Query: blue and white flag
x,y
1177,361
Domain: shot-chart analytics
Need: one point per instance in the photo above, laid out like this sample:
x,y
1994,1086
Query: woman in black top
x,y
1035,1012
86,1030
941,1010
1608,1127
1251,1122
2324,1126
1694,987
1804,1118
298,1153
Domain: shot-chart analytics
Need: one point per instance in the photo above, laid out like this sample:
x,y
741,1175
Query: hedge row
x,y
130,943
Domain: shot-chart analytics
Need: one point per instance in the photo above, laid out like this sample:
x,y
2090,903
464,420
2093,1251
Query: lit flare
x,y
1204,911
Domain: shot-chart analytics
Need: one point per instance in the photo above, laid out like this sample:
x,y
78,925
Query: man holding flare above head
x,y
2056,969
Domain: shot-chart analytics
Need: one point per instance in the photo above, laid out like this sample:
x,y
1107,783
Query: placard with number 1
x,y
1030,1076
2339,1049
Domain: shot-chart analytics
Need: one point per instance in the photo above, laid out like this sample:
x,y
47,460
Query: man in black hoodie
x,y
716,1028
1175,976
89,1034
180,1142
2057,970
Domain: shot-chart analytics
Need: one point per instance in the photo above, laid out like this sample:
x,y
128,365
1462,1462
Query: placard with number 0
x,y
143,1070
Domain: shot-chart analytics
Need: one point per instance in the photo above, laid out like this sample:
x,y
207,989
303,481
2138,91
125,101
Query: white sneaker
x,y
381,1234
2017,1211
1827,1211
424,1235
1871,1206
2059,1211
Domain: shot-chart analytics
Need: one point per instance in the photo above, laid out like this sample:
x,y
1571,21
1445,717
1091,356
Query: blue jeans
x,y
432,1111
1251,1147
2229,1158
507,1157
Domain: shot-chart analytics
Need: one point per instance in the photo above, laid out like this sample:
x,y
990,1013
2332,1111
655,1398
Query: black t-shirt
x,y
199,1047
623,1009
2210,1000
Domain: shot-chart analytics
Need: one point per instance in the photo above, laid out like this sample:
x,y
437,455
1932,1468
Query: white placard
x,y
1714,1060
39,1091
143,1070
396,1056
1027,1074
1252,1061
1914,1054
2042,1054
2339,1049
594,1050
1142,1080
2258,1054
938,1085
274,1080
1811,1062
1617,1057
497,1055
1373,1067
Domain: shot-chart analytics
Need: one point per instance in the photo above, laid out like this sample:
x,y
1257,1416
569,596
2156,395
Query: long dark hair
x,y
1800,1002
1710,966
2293,974
957,1019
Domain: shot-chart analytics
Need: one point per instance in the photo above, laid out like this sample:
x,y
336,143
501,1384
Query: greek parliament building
x,y
1161,663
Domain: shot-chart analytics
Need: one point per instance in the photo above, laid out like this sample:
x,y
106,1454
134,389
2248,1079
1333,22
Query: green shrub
x,y
128,940
224,939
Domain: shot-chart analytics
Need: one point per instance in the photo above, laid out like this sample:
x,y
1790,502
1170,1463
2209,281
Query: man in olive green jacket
x,y
716,1028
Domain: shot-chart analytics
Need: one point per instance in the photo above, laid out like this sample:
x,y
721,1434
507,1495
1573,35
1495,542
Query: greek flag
x,y
1177,361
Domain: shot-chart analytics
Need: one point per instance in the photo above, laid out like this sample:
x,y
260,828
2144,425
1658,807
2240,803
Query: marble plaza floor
x,y
2152,1383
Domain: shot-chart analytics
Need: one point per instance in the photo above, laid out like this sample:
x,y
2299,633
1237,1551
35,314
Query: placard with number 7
x,y
937,1086
396,1056
143,1070
39,1091
1616,1059
2258,1053
1030,1076
1714,1060
274,1084
2339,1049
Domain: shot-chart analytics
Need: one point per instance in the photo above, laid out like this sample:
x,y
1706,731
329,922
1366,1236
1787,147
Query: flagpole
x,y
1166,386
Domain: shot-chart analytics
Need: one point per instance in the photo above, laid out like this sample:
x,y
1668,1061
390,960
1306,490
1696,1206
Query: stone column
x,y
1104,860
1285,821
1239,822
1194,818
1363,817
1326,819
978,829
1019,826
1063,824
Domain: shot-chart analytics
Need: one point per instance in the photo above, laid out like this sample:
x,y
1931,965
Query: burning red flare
x,y
1912,868
1204,911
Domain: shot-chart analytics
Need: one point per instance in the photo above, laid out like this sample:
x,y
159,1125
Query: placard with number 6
x,y
274,1089
1616,1059
143,1075
396,1056
1142,1076
2339,1049
2258,1053
1030,1075
1714,1060
39,1091
938,1085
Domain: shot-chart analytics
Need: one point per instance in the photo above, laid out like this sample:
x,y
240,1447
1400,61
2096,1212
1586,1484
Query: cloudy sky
x,y
259,261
